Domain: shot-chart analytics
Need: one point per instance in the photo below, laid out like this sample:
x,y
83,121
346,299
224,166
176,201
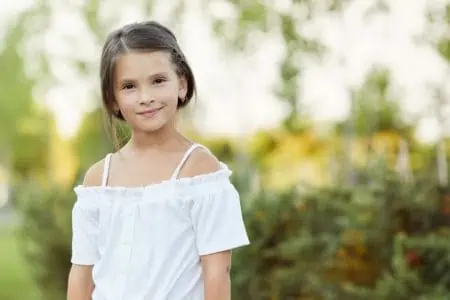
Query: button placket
x,y
128,233
129,212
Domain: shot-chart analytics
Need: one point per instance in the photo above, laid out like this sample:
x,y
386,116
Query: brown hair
x,y
142,36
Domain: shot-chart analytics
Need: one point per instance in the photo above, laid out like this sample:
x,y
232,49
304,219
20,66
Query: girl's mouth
x,y
149,112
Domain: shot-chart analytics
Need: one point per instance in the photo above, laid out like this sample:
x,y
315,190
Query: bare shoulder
x,y
94,174
200,162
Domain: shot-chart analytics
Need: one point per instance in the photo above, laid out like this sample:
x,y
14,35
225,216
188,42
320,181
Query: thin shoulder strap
x,y
184,159
106,169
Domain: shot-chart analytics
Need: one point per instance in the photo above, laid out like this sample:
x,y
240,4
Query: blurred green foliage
x,y
16,281
380,235
23,124
45,235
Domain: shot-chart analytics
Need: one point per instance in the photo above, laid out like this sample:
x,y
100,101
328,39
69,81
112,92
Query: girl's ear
x,y
183,88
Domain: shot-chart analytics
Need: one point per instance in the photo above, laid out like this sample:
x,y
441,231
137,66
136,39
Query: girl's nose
x,y
146,97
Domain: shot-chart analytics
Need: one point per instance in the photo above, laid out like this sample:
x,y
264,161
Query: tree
x,y
440,16
261,17
23,123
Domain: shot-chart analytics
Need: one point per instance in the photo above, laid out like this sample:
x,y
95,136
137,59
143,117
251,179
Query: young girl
x,y
157,219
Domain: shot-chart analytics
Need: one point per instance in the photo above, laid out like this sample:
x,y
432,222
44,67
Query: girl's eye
x,y
128,86
159,80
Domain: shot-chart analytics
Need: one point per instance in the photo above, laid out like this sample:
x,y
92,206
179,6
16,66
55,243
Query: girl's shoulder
x,y
198,172
200,162
94,174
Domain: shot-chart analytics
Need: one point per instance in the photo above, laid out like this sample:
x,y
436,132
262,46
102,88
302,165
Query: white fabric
x,y
106,169
145,242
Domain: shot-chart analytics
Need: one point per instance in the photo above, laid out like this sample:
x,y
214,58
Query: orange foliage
x,y
354,262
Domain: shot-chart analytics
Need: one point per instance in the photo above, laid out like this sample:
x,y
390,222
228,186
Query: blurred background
x,y
333,115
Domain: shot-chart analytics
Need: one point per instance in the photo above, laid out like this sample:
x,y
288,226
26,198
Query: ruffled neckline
x,y
184,182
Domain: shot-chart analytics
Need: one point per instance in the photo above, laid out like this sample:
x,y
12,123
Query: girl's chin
x,y
149,127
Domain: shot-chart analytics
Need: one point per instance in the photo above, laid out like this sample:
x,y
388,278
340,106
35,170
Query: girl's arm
x,y
216,272
218,225
80,285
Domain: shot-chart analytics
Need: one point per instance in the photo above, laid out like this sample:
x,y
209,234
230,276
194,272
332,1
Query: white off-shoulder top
x,y
145,242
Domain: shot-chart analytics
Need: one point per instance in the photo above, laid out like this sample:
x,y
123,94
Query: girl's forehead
x,y
143,62
153,57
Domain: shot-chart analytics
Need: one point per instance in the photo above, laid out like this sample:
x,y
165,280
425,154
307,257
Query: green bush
x,y
373,240
45,236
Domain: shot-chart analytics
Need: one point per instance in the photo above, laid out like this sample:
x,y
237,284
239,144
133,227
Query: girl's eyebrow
x,y
157,74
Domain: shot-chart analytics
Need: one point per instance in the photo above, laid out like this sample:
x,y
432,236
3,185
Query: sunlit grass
x,y
15,280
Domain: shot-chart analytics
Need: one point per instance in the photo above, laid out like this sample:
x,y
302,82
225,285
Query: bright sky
x,y
235,93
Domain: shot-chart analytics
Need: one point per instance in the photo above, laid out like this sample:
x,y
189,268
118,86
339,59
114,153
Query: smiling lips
x,y
149,112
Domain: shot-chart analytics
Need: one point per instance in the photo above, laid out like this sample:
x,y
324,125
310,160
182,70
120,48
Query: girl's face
x,y
146,89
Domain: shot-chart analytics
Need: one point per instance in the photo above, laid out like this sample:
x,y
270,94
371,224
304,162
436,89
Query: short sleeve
x,y
84,234
218,221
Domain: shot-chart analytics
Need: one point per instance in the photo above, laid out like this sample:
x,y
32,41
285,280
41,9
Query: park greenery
x,y
357,211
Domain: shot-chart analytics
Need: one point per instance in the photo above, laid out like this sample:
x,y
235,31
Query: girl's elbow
x,y
80,285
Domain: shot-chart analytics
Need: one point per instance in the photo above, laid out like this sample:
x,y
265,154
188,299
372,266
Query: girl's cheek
x,y
129,99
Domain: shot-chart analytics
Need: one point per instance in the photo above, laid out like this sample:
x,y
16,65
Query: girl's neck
x,y
161,140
